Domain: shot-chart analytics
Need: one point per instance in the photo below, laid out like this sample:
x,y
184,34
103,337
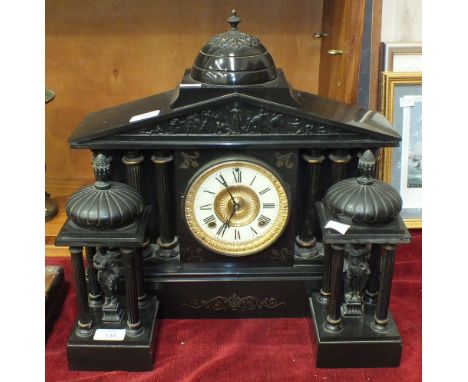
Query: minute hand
x,y
224,183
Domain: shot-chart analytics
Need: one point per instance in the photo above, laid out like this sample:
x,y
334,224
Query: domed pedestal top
x,y
363,200
105,205
234,58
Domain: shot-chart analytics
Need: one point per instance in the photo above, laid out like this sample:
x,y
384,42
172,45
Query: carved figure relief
x,y
237,118
105,262
356,272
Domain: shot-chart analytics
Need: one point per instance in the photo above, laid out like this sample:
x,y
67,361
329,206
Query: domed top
x,y
105,205
363,199
234,58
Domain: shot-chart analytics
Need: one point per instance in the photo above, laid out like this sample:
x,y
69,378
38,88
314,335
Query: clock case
x,y
203,121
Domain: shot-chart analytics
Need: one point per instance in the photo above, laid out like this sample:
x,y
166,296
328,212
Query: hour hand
x,y
228,223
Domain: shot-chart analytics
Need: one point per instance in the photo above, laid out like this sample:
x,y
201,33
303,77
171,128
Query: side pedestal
x,y
130,354
357,344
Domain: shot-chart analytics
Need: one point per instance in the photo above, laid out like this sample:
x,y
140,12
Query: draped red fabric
x,y
253,349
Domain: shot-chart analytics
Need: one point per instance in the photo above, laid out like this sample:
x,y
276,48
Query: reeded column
x,y
324,296
372,287
141,295
132,163
95,296
383,301
306,237
85,323
333,323
164,197
340,160
134,327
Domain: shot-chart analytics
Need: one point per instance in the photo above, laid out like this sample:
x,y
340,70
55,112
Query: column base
x,y
143,301
84,331
95,302
370,298
305,254
129,354
323,298
357,344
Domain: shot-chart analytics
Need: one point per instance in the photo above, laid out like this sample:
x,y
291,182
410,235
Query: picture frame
x,y
402,166
401,57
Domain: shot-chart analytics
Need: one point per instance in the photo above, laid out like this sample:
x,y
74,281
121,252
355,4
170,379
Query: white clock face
x,y
236,208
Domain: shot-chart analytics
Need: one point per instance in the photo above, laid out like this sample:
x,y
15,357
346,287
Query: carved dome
x,y
363,199
234,58
105,205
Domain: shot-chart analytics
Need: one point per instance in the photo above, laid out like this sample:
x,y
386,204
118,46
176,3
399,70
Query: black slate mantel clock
x,y
230,165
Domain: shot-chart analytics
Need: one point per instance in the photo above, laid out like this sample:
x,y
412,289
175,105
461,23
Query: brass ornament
x,y
248,212
285,159
235,303
190,160
248,205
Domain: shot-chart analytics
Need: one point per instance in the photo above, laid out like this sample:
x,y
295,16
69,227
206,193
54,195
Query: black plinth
x,y
203,292
357,344
131,354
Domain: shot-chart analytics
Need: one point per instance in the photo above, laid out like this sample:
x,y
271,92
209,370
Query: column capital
x,y
130,159
313,159
338,247
162,159
340,157
127,251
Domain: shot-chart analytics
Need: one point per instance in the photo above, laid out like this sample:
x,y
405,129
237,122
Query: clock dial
x,y
236,208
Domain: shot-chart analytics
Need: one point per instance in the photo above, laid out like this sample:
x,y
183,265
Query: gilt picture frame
x,y
402,166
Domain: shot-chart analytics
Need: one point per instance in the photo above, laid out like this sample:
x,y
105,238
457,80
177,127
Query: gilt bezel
x,y
221,246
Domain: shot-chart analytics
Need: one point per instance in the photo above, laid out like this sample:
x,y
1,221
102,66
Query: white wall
x,y
401,21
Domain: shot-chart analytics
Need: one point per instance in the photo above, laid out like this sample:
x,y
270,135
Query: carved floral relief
x,y
235,303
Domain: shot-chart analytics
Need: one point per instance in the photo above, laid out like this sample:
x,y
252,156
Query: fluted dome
x,y
105,205
234,58
364,199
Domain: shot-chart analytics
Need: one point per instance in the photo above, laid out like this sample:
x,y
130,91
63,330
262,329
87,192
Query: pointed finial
x,y
366,166
101,166
233,20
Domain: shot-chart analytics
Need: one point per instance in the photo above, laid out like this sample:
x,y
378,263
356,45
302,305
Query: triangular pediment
x,y
227,118
237,118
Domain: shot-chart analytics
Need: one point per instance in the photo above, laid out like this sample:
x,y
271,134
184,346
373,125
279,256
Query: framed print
x,y
402,166
401,57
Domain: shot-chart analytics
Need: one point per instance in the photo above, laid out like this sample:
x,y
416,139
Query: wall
x,y
103,53
401,21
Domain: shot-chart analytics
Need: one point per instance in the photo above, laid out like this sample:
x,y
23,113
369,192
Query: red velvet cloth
x,y
253,349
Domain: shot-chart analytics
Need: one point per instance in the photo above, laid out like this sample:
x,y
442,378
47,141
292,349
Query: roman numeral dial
x,y
236,207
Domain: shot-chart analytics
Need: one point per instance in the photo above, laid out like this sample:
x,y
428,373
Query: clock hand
x,y
228,223
224,183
